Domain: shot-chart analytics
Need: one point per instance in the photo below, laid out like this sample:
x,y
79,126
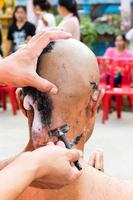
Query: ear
x,y
20,99
94,102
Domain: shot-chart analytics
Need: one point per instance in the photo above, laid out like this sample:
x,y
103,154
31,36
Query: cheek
x,y
23,15
116,43
16,15
123,44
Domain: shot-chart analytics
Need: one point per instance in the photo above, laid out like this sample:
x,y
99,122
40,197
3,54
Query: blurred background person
x,y
71,21
120,50
45,19
30,12
20,31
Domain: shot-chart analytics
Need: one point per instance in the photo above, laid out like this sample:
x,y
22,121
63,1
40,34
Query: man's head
x,y
73,68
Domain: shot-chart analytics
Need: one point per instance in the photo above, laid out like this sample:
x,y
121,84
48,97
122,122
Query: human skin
x,y
69,95
19,69
39,13
17,176
92,184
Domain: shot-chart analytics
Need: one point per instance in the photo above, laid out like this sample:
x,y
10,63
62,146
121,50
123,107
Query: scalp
x,y
70,65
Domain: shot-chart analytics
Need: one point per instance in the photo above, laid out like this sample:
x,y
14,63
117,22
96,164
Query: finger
x,y
92,158
75,173
50,144
73,155
54,29
49,36
43,85
61,144
99,162
41,40
55,35
41,33
35,37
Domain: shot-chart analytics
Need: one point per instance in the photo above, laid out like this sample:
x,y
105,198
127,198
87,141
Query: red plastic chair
x,y
11,91
105,65
0,98
124,89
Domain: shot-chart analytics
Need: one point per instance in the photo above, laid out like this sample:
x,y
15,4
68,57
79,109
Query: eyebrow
x,y
94,85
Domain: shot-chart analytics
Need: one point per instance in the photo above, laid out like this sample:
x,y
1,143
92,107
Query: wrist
x,y
33,166
26,166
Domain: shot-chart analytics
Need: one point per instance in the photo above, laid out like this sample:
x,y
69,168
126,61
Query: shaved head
x,y
73,68
70,65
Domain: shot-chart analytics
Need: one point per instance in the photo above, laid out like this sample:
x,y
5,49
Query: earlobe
x,y
20,99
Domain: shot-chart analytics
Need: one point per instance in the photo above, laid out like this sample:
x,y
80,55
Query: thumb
x,y
74,155
74,173
44,85
92,158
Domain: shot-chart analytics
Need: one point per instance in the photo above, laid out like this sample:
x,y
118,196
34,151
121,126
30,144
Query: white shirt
x,y
129,37
30,12
71,24
49,18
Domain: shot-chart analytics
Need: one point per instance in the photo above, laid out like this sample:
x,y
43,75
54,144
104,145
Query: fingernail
x,y
54,90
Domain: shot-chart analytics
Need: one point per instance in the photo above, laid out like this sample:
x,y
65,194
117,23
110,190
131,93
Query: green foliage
x,y
88,33
58,19
92,31
105,28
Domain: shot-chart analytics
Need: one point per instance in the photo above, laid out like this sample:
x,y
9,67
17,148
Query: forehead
x,y
20,10
119,38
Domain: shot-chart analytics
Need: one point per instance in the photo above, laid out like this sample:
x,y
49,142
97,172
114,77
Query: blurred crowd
x,y
37,17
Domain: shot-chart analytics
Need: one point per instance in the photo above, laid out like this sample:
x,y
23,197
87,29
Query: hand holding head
x,y
20,67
